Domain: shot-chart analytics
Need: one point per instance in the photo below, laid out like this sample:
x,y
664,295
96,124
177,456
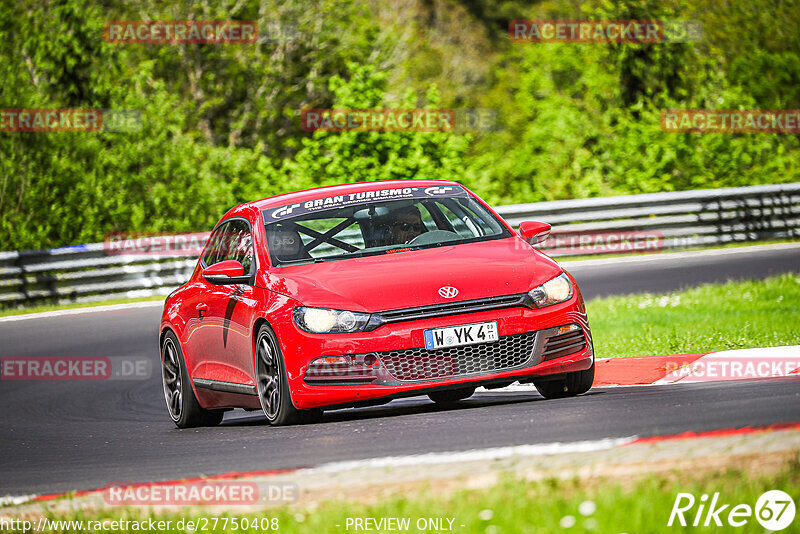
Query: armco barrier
x,y
86,273
683,219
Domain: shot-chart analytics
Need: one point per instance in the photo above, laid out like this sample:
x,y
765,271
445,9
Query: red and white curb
x,y
722,366
490,454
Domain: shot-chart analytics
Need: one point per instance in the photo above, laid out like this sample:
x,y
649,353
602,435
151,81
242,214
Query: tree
x,y
332,158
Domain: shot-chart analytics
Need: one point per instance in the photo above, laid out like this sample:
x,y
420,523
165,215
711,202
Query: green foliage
x,y
220,124
332,158
584,119
214,118
735,315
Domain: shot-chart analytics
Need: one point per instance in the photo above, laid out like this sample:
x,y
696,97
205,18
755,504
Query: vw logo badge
x,y
448,292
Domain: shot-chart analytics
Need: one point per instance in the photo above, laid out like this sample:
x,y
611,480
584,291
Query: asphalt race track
x,y
62,435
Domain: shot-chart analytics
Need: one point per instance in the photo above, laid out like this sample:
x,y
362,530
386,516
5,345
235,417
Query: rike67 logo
x,y
774,510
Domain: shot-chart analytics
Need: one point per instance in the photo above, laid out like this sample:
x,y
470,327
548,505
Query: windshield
x,y
362,224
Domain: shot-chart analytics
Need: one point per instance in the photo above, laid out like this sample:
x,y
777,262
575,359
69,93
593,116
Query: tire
x,y
271,381
451,395
182,405
573,384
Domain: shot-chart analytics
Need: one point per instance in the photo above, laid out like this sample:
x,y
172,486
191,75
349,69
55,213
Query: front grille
x,y
421,364
450,308
564,344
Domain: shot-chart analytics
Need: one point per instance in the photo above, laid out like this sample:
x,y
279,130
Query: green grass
x,y
55,307
625,504
735,315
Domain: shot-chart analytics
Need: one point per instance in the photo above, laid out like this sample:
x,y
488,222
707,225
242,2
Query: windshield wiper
x,y
300,261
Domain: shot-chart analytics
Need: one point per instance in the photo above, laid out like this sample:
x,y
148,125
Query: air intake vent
x,y
564,344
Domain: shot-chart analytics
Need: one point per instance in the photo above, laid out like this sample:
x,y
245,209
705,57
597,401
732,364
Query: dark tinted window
x,y
239,243
215,249
230,241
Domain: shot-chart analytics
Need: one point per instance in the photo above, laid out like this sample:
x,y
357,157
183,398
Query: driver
x,y
405,225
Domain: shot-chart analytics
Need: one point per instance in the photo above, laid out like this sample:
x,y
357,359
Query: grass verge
x,y
57,307
735,315
639,504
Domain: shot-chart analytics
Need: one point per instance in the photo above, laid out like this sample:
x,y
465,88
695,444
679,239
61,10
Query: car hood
x,y
413,278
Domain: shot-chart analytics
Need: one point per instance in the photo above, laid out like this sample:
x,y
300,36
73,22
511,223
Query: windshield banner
x,y
362,197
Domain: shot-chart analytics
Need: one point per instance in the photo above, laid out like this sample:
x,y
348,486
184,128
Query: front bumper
x,y
406,368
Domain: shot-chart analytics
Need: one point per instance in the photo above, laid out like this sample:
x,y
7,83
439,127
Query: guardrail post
x,y
20,262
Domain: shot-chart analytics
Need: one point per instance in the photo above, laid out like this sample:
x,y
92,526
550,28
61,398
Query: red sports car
x,y
357,294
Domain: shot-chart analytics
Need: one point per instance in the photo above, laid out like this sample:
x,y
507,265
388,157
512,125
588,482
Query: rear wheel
x,y
271,383
184,410
573,384
451,395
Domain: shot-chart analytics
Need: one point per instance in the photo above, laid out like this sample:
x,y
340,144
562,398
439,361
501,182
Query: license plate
x,y
467,334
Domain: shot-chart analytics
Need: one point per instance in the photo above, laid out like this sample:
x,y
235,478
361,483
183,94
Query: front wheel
x,y
573,384
271,381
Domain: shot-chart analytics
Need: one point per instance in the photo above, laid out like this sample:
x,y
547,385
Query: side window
x,y
230,241
239,242
215,249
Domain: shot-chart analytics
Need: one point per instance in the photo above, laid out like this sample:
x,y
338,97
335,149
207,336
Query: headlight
x,y
324,321
553,291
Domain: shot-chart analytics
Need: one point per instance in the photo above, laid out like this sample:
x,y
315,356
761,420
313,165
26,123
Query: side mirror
x,y
225,273
534,232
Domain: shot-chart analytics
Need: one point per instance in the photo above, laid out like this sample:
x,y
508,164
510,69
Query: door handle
x,y
201,309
